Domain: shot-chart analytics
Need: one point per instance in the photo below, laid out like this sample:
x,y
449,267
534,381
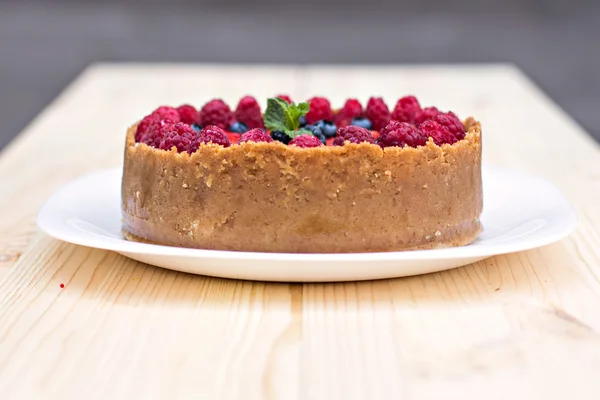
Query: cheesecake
x,y
304,179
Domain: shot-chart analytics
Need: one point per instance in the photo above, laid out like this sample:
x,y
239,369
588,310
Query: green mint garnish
x,y
274,116
298,132
281,116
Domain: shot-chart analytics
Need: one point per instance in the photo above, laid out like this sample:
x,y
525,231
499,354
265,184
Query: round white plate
x,y
520,212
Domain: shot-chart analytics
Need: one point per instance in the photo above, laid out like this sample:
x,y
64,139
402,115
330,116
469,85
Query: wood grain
x,y
520,326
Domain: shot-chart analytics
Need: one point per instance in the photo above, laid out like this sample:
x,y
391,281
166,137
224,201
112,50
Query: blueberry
x,y
316,131
322,138
328,128
302,121
280,136
196,127
238,127
362,122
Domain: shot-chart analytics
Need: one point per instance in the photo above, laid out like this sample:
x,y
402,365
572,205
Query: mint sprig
x,y
281,116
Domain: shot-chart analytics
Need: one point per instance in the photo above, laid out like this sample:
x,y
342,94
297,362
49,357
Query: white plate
x,y
520,212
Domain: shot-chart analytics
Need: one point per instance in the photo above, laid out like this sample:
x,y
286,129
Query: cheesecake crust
x,y
271,197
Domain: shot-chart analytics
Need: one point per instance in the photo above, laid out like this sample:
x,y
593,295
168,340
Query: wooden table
x,y
521,326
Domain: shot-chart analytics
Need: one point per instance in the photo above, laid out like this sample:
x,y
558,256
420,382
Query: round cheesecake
x,y
274,197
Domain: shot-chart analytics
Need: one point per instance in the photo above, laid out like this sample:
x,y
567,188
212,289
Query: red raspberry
x,y
378,113
400,134
406,109
452,123
306,141
155,132
285,97
352,109
353,134
167,112
248,113
216,112
179,135
209,134
255,135
188,114
426,114
439,133
144,124
320,109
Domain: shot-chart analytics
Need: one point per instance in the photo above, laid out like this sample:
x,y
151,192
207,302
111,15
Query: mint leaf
x,y
296,111
297,132
275,115
282,116
290,122
303,109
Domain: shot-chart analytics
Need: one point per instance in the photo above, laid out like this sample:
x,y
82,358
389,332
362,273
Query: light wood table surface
x,y
520,326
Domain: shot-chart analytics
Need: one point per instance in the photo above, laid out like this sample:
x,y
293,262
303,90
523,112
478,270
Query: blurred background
x,y
46,44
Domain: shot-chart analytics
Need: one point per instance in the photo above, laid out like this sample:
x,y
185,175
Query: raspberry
x,y
285,97
353,134
167,112
406,109
155,132
439,133
248,113
452,123
255,135
400,134
216,112
352,109
378,113
177,135
306,141
320,109
426,114
144,124
188,114
209,134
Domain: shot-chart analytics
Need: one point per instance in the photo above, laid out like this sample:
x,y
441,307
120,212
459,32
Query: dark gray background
x,y
45,44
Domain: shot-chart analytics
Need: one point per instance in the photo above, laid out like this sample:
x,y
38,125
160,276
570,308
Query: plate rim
x,y
45,219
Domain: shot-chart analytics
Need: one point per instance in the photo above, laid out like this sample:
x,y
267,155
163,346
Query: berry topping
x,y
248,112
255,135
285,98
238,127
216,112
439,133
328,128
306,141
302,121
188,114
196,127
452,123
317,132
352,109
378,113
426,114
406,109
144,124
280,136
353,134
362,122
167,112
400,134
320,108
209,134
177,135
155,132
